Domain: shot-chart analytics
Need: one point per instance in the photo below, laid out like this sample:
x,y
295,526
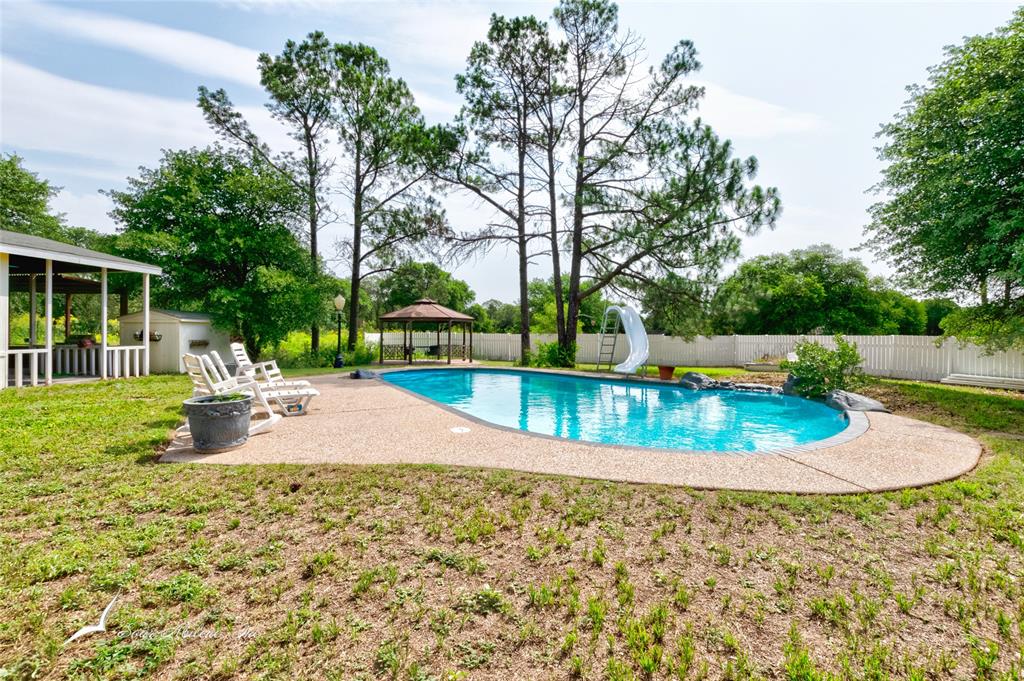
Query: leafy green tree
x,y
952,216
677,306
653,190
414,280
812,290
217,222
482,318
936,310
900,314
504,317
543,303
300,83
25,200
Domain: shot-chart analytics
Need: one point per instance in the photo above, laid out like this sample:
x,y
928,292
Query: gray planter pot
x,y
218,425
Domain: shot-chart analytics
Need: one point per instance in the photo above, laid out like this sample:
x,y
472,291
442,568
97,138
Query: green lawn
x,y
409,572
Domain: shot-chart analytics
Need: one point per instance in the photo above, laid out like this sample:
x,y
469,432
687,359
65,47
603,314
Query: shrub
x,y
295,352
553,355
819,370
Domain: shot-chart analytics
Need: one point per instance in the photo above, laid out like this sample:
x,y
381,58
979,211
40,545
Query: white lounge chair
x,y
205,383
209,380
258,376
266,373
291,399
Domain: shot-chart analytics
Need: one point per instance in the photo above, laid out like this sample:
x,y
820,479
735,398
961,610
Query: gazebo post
x,y
471,342
407,344
438,341
380,345
449,341
463,325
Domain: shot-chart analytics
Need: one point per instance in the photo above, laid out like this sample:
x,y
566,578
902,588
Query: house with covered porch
x,y
44,268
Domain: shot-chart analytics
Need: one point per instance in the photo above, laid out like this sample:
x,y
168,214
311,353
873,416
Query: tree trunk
x,y
556,265
314,330
357,237
576,263
524,302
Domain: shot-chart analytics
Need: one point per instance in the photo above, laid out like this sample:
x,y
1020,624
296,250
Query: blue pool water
x,y
626,413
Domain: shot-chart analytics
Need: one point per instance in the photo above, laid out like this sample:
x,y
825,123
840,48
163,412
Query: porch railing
x,y
122,360
27,364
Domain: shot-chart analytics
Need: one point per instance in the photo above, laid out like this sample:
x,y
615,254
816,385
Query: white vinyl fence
x,y
911,357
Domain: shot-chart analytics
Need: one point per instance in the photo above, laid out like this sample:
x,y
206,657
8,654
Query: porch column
x,y
145,325
49,322
32,312
103,322
5,319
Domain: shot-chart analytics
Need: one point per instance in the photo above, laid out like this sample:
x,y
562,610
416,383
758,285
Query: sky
x,y
90,91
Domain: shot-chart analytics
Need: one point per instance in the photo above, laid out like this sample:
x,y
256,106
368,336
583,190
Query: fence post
x,y
735,350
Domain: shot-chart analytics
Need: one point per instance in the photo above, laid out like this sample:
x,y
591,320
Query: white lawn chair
x,y
266,373
291,399
258,376
205,383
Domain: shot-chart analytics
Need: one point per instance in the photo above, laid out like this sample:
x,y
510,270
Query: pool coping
x,y
375,423
857,422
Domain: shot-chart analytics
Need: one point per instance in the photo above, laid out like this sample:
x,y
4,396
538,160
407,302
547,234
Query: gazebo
x,y
426,312
41,267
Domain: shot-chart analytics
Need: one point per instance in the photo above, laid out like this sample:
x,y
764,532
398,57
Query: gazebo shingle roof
x,y
425,310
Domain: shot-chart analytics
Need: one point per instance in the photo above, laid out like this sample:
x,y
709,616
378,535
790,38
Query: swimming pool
x,y
631,413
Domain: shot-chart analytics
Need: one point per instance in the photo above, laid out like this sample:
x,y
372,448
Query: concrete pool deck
x,y
373,422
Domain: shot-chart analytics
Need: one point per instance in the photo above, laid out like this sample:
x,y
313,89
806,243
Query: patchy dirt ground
x,y
428,572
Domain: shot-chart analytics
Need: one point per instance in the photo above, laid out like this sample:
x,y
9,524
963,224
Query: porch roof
x,y
29,253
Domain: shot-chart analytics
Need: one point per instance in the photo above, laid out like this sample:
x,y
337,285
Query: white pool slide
x,y
639,346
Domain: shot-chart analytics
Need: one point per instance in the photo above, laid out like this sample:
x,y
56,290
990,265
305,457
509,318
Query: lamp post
x,y
339,306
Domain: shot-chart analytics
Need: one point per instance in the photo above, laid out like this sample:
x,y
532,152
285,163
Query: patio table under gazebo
x,y
426,312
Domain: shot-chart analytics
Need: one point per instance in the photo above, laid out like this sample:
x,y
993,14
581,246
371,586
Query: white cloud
x,y
47,112
735,115
185,50
85,210
109,129
435,34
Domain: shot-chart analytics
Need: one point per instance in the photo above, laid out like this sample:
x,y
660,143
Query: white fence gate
x,y
910,357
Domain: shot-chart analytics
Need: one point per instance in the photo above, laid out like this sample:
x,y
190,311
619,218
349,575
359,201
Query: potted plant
x,y
665,372
219,422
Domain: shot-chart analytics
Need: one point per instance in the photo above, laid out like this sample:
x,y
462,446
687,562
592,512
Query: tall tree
x,y
300,83
554,107
389,154
952,217
414,280
218,223
502,86
811,290
653,191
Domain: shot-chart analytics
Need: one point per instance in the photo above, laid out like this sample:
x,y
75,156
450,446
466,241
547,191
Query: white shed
x,y
178,333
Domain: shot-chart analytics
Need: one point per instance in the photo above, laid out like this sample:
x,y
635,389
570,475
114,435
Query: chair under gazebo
x,y
425,313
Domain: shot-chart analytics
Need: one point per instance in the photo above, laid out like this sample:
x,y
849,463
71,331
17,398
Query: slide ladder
x,y
610,324
616,316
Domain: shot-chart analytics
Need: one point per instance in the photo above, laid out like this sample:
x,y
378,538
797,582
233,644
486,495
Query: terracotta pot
x,y
665,372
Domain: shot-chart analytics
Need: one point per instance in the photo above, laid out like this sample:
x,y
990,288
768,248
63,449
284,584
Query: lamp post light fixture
x,y
339,306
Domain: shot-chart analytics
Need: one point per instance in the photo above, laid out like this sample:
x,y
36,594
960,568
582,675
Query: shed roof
x,y
28,251
425,310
